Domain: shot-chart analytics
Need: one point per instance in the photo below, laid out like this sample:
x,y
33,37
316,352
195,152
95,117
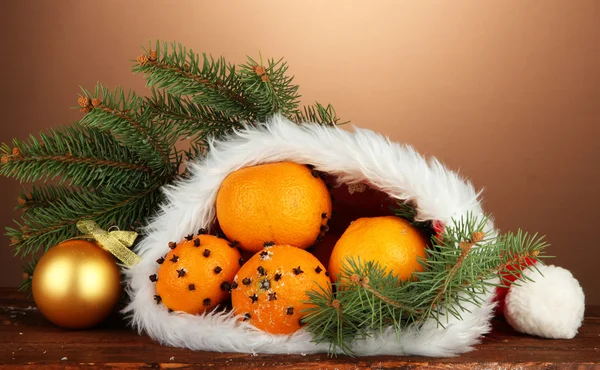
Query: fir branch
x,y
317,114
125,117
459,269
269,88
125,144
363,282
82,155
56,221
41,196
27,277
465,247
187,119
210,82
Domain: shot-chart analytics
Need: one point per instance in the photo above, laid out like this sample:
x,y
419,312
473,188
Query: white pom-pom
x,y
550,306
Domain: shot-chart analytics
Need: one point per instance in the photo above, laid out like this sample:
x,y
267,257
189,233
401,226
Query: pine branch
x,y
209,82
110,165
269,89
40,197
251,94
459,270
317,114
56,221
27,276
187,119
82,155
124,116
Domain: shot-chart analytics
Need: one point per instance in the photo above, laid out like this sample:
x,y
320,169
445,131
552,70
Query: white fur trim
x,y
549,306
354,157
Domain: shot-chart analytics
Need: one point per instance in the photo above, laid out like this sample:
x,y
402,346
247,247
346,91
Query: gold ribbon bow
x,y
116,242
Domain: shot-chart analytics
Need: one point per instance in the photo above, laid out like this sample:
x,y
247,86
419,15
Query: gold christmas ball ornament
x,y
76,284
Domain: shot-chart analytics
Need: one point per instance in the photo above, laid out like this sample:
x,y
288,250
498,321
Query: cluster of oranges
x,y
273,213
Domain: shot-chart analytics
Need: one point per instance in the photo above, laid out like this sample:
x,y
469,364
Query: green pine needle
x,y
56,211
111,165
82,156
458,270
28,273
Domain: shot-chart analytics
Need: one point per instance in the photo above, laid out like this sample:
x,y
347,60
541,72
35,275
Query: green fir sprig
x,y
79,155
461,265
52,213
110,166
27,276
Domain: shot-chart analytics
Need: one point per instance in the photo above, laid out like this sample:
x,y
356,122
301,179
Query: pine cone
x,y
21,201
152,56
96,102
85,110
259,70
142,59
83,101
5,159
478,236
265,78
16,152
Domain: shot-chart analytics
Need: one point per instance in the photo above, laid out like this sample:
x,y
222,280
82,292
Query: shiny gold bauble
x,y
76,284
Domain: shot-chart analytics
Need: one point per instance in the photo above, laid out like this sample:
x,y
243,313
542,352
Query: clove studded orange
x,y
197,274
270,289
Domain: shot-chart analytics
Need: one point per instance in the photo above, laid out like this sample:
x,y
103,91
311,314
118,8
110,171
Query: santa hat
x,y
551,305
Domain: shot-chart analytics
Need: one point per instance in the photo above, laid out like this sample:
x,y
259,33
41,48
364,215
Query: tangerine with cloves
x,y
197,274
271,288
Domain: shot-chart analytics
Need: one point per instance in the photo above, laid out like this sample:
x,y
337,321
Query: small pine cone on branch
x,y
83,101
142,59
152,56
259,70
21,201
96,102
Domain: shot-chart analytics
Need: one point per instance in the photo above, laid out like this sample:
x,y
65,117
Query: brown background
x,y
506,92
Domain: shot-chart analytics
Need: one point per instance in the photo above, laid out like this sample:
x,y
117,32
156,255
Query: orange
x,y
389,240
270,289
197,274
276,203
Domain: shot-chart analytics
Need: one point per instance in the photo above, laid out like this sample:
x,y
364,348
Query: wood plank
x,y
28,340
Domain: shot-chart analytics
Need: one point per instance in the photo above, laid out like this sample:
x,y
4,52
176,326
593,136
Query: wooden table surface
x,y
27,340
